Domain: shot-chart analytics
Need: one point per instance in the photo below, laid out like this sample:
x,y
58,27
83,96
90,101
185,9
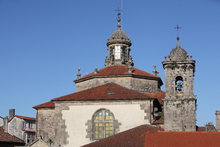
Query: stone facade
x,y
69,124
138,84
180,102
179,115
46,124
217,120
18,127
15,127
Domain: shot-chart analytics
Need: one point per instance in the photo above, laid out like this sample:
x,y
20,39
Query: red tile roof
x,y
131,138
182,139
150,136
45,105
108,91
7,138
118,70
200,129
26,118
159,95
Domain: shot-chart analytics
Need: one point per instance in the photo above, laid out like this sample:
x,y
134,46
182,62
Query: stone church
x,y
120,97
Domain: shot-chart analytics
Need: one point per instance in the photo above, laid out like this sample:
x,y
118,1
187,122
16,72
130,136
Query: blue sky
x,y
43,42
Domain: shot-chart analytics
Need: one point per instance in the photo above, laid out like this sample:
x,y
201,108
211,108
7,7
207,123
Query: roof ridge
x,y
101,93
82,91
24,117
117,70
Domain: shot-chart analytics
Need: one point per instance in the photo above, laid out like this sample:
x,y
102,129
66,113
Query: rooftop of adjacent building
x,y
152,136
7,138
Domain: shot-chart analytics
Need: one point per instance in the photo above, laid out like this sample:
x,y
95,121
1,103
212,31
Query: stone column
x,y
217,120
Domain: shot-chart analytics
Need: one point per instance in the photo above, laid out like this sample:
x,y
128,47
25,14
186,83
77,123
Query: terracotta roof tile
x,y
130,138
108,91
200,129
149,136
26,118
6,137
159,95
45,105
117,70
182,139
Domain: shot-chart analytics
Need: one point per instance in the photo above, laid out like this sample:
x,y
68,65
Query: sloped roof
x,y
26,118
159,95
45,105
132,138
7,138
182,139
151,136
39,143
108,91
200,128
118,70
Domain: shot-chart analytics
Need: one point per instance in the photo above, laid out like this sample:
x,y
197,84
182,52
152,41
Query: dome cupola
x,y
178,53
118,47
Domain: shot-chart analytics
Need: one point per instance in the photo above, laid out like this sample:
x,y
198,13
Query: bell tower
x,y
180,102
118,47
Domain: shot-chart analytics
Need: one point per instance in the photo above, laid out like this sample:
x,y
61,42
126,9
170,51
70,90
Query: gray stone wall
x,y
46,123
51,126
15,127
179,115
138,84
1,121
186,71
217,120
179,106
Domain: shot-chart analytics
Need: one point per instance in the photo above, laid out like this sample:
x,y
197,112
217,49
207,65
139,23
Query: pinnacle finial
x,y
178,42
78,74
119,18
155,72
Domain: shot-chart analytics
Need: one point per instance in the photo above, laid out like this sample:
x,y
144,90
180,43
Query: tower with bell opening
x,y
180,102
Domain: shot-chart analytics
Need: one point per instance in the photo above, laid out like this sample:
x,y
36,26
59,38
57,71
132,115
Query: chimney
x,y
217,120
11,113
5,126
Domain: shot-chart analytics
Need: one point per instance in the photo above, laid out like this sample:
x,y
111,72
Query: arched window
x,y
103,125
179,84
